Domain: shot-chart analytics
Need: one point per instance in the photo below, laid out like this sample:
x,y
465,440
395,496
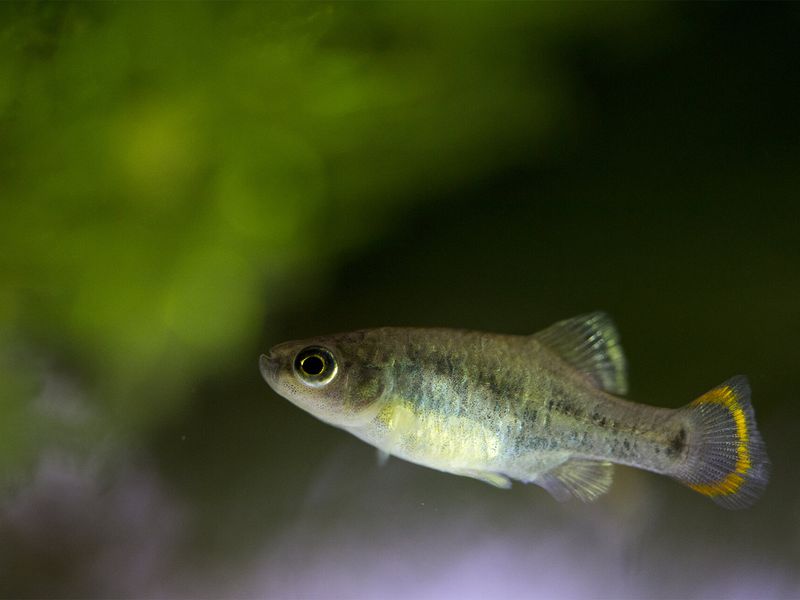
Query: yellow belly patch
x,y
444,441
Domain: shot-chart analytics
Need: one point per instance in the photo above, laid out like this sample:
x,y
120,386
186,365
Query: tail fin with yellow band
x,y
727,459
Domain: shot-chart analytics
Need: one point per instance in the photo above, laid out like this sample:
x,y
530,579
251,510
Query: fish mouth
x,y
268,365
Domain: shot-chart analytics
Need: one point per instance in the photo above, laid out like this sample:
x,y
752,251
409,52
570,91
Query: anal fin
x,y
496,479
586,480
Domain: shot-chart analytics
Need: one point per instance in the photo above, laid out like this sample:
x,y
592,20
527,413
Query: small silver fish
x,y
543,408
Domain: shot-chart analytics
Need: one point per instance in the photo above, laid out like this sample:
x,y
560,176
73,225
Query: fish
x,y
545,408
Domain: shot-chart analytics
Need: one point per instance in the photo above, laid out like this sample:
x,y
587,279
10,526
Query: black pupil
x,y
313,365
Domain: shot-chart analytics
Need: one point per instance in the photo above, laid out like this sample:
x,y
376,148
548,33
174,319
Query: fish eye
x,y
315,366
312,365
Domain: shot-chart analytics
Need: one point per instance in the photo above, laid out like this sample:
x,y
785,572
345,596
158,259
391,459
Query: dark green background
x,y
184,185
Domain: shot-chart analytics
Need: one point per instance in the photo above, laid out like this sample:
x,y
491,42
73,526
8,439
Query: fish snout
x,y
268,365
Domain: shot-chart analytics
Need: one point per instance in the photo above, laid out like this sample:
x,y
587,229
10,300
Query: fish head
x,y
338,379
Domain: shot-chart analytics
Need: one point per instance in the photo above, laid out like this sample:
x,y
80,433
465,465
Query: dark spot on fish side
x,y
442,364
678,443
492,384
564,406
413,353
598,419
508,389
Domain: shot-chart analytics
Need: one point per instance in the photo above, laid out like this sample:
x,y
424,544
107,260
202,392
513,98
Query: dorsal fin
x,y
590,343
579,478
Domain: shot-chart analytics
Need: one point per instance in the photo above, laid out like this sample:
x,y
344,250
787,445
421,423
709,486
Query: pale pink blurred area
x,y
112,527
465,557
88,528
392,533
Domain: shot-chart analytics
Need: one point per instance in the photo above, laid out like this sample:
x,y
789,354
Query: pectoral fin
x,y
382,456
583,479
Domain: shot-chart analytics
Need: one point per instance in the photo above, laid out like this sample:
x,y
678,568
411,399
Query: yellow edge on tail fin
x,y
731,484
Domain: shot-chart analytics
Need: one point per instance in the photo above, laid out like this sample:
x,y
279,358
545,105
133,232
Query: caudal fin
x,y
727,459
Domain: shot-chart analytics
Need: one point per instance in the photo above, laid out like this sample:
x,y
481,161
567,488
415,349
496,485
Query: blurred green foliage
x,y
171,174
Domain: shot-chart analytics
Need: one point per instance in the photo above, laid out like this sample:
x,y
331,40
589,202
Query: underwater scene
x,y
399,300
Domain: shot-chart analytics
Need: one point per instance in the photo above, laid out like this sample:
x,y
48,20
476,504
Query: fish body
x,y
542,408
